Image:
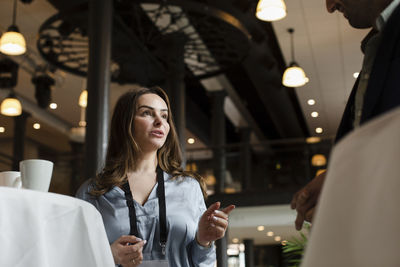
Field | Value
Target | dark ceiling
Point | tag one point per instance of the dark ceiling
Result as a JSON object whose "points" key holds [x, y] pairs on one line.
{"points": [[248, 55]]}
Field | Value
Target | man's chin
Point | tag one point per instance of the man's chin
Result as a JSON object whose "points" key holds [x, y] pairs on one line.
{"points": [[358, 24]]}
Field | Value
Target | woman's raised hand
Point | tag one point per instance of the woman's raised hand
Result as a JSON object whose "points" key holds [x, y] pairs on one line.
{"points": [[213, 224], [127, 250]]}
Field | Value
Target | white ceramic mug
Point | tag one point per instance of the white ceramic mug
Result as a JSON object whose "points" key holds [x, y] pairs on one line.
{"points": [[10, 179], [36, 174]]}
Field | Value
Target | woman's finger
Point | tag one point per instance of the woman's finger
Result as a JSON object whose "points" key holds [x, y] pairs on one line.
{"points": [[228, 209], [222, 222], [135, 248], [128, 239]]}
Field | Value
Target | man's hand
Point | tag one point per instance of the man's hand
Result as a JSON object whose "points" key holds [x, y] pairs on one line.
{"points": [[305, 200]]}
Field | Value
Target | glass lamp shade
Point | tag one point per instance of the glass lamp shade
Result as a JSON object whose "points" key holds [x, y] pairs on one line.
{"points": [[11, 107], [318, 160], [294, 76], [12, 42], [83, 99], [271, 10]]}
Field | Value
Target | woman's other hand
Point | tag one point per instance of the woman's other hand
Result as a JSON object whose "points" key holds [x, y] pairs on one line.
{"points": [[127, 250], [213, 224]]}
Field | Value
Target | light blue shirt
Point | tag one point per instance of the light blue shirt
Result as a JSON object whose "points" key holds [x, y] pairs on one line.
{"points": [[184, 207]]}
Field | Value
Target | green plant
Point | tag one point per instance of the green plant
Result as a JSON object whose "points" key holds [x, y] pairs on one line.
{"points": [[294, 248]]}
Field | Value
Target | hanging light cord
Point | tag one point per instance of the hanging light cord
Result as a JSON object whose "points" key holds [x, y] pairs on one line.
{"points": [[14, 12], [291, 30]]}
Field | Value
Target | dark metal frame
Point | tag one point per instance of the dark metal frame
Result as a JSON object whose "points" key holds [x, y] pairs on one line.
{"points": [[217, 42]]}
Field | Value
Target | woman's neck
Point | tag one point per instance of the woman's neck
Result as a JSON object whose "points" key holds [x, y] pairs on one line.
{"points": [[147, 163]]}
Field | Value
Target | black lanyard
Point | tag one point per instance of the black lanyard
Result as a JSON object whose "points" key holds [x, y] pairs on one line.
{"points": [[161, 209]]}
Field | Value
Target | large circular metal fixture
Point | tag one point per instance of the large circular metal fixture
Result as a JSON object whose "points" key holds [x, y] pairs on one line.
{"points": [[214, 39]]}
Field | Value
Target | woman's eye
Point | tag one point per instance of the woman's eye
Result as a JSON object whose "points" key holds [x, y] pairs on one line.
{"points": [[164, 116], [146, 113]]}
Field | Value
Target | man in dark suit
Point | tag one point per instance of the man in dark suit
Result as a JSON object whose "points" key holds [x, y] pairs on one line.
{"points": [[377, 88]]}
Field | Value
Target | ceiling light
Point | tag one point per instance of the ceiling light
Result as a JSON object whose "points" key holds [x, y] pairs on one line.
{"points": [[235, 240], [260, 228], [13, 42], [314, 114], [36, 126], [277, 238], [2, 129], [284, 242], [294, 76], [83, 99], [191, 141], [319, 130], [53, 105], [313, 139], [232, 251], [11, 106], [355, 74], [271, 10], [270, 233], [310, 102], [318, 160]]}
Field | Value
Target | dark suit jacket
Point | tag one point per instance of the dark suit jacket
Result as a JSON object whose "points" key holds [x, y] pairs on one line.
{"points": [[383, 90]]}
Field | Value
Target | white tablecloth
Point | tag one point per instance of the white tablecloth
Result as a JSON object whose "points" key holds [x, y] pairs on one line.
{"points": [[357, 221], [45, 229]]}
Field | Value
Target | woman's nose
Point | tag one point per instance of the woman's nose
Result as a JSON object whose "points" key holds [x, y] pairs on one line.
{"points": [[157, 120]]}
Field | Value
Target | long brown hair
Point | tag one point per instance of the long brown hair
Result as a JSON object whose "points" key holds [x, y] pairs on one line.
{"points": [[123, 150]]}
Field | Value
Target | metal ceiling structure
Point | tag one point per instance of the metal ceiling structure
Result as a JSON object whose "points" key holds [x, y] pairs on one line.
{"points": [[222, 38]]}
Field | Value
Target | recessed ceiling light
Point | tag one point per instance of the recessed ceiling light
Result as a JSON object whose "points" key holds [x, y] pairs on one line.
{"points": [[355, 74], [53, 105], [191, 140], [2, 129], [260, 228], [277, 238], [311, 102], [235, 240], [319, 130], [284, 242], [314, 114], [270, 233], [36, 126], [313, 139]]}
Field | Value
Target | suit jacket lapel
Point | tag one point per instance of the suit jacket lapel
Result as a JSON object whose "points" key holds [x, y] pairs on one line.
{"points": [[382, 61], [346, 124]]}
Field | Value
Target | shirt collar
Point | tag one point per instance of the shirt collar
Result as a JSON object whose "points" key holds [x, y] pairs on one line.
{"points": [[385, 14]]}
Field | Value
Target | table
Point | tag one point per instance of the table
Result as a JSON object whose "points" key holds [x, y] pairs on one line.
{"points": [[47, 229], [358, 216]]}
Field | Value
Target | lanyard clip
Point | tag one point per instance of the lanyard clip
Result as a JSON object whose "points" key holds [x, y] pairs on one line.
{"points": [[163, 245]]}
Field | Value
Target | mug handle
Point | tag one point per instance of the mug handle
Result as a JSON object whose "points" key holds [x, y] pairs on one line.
{"points": [[17, 183]]}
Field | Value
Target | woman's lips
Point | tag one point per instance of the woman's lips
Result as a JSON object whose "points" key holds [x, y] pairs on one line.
{"points": [[158, 134]]}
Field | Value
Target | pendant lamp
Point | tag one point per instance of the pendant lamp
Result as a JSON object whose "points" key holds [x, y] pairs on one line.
{"points": [[11, 106], [13, 42], [294, 76], [271, 10]]}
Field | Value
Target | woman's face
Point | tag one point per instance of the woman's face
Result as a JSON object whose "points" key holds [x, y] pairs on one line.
{"points": [[151, 125]]}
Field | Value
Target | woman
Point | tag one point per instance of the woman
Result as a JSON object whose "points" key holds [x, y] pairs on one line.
{"points": [[153, 211]]}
